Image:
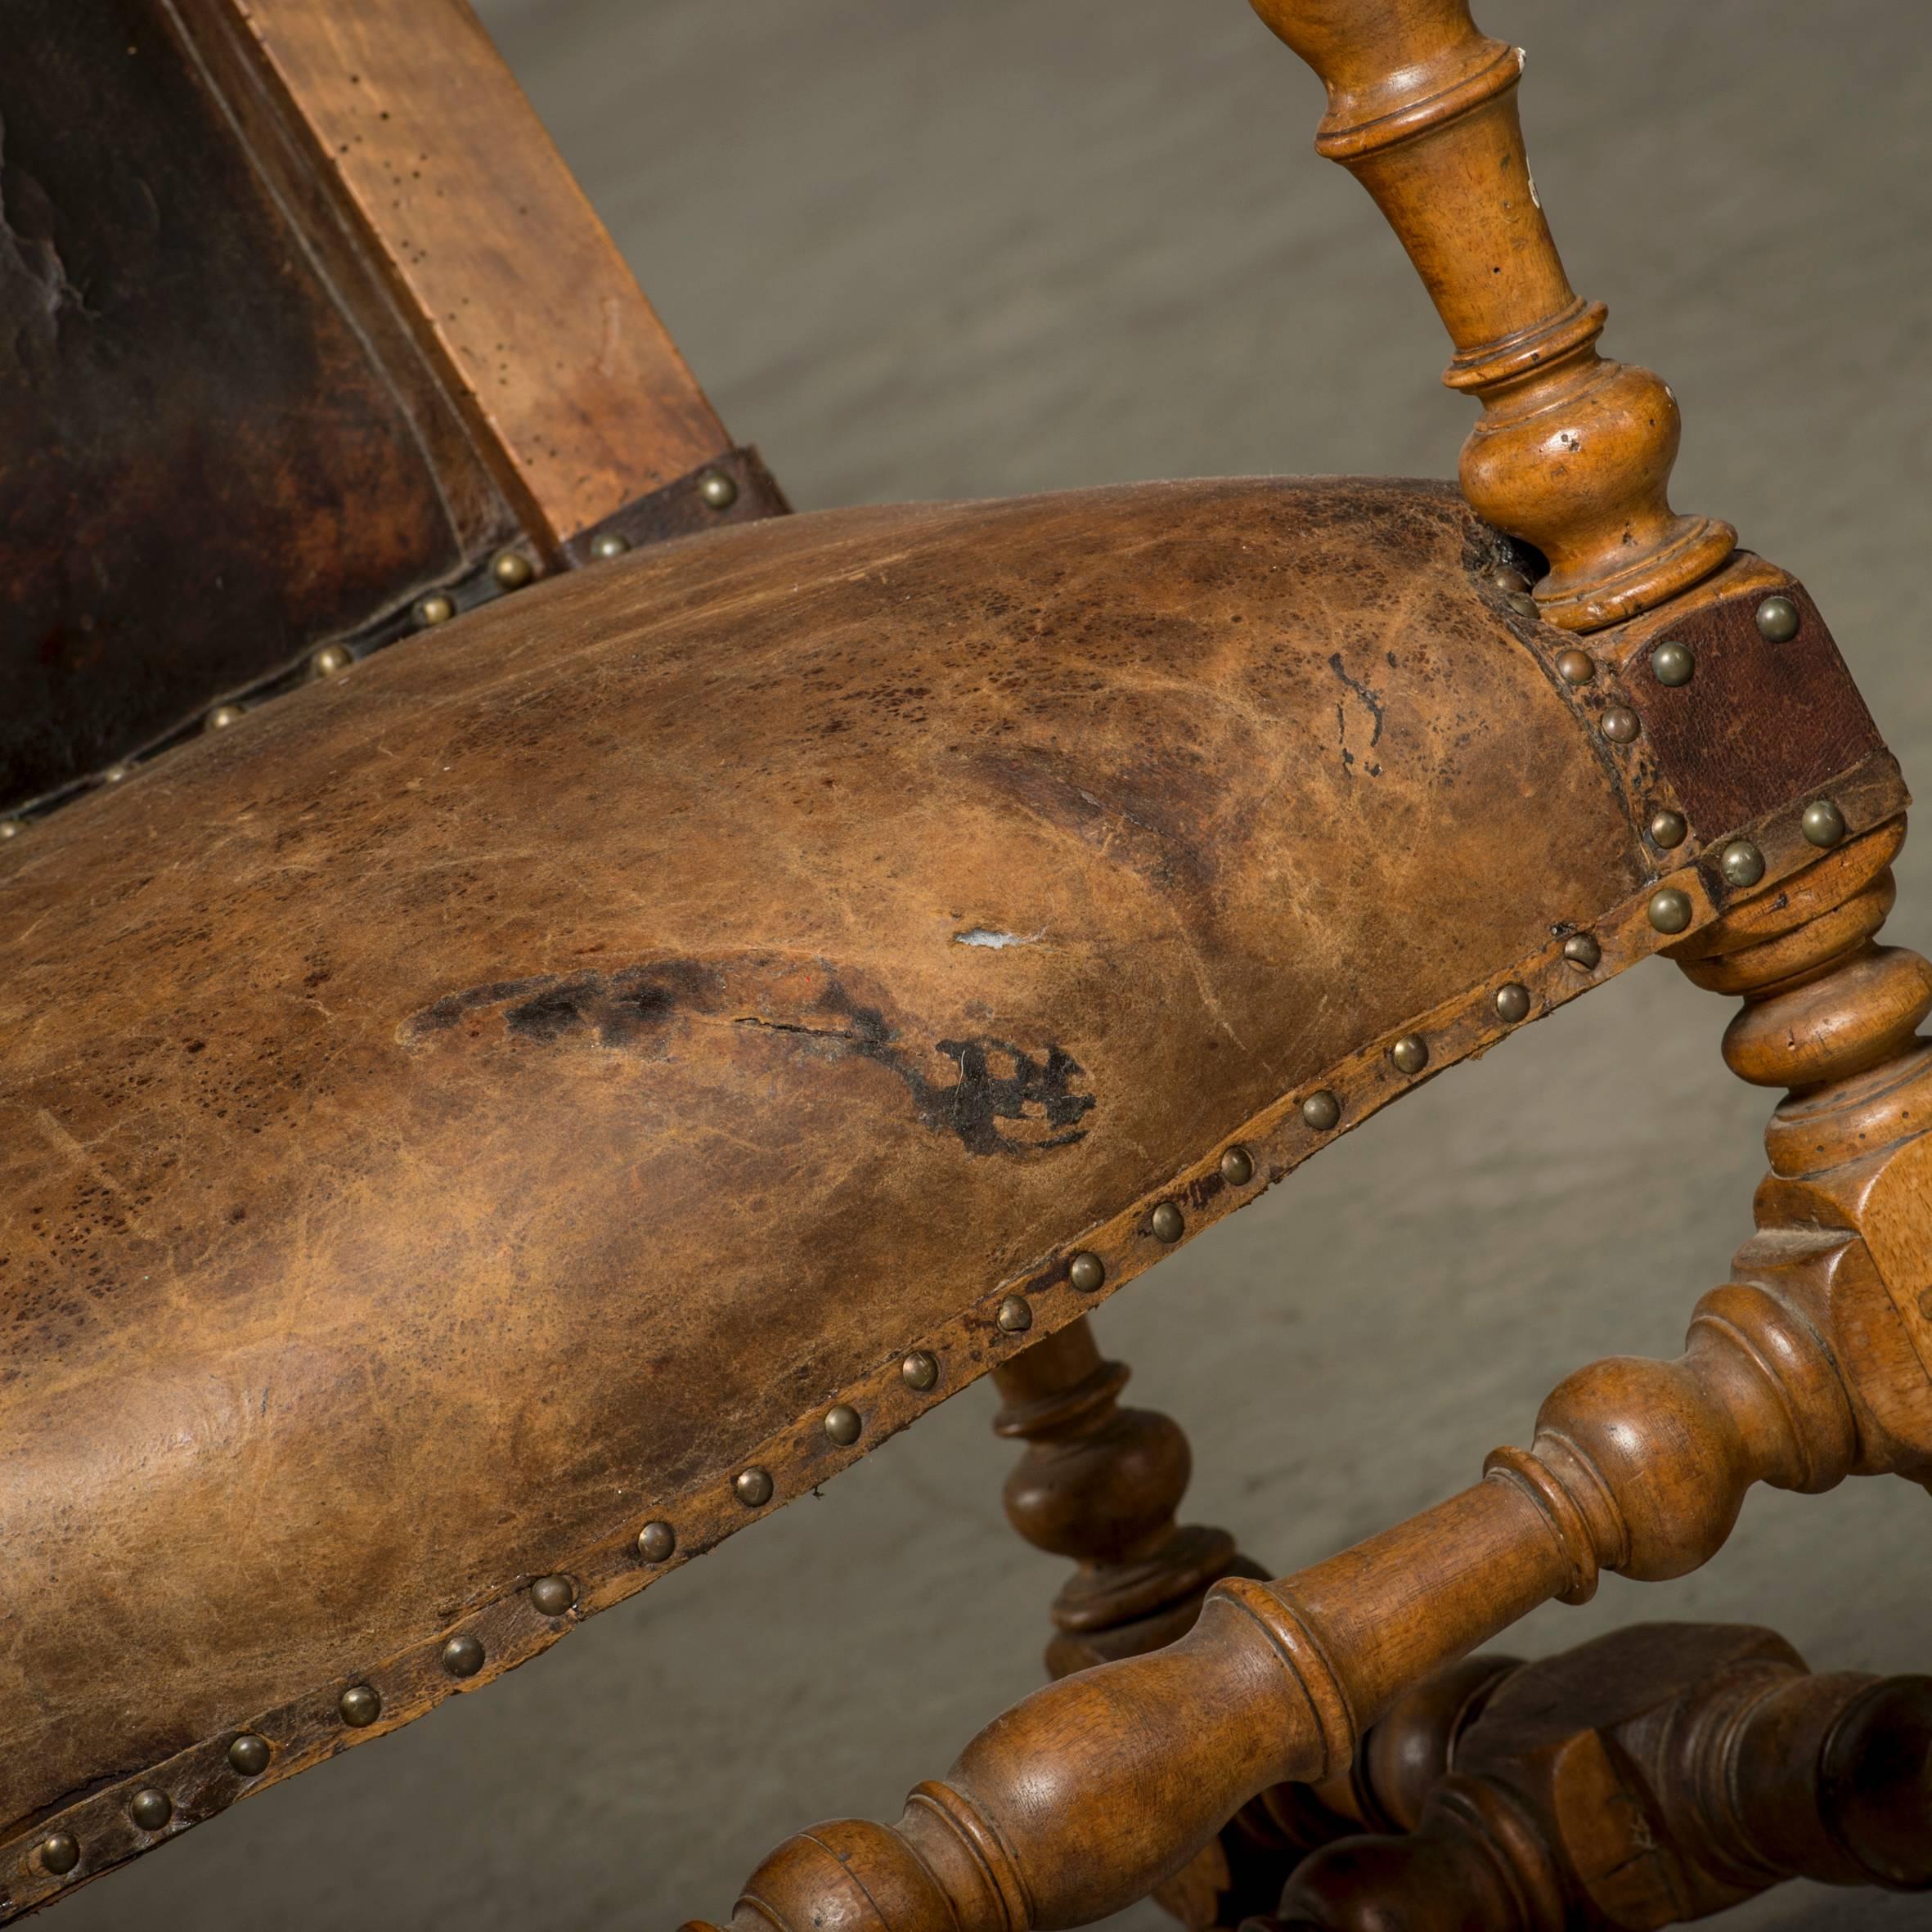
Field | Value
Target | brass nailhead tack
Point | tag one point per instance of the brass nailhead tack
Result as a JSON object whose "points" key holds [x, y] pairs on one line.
{"points": [[1672, 664], [1670, 910], [1238, 1167], [1668, 829], [1410, 1053], [842, 1425], [463, 1656], [1621, 725], [60, 1853], [1823, 823], [657, 1542], [1574, 667], [1741, 863], [512, 569], [717, 489], [360, 1706], [1512, 1004], [609, 545], [248, 1755], [1581, 950], [222, 717], [1015, 1317], [553, 1595], [151, 1809], [1321, 1111], [753, 1487], [1166, 1222], [1086, 1272], [435, 610], [918, 1371], [331, 661], [1777, 620]]}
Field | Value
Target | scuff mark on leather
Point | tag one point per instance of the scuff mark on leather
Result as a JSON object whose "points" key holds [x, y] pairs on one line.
{"points": [[1004, 1098], [997, 942]]}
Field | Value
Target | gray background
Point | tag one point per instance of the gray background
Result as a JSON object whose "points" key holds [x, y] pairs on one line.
{"points": [[940, 248]]}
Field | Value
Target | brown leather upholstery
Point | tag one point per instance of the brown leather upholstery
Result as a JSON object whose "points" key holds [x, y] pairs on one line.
{"points": [[479, 1102]]}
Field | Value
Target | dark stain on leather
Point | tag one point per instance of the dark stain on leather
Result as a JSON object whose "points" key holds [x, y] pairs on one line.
{"points": [[999, 1081], [619, 1009], [1035, 1092]]}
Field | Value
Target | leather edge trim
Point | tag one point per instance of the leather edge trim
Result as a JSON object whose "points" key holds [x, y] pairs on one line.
{"points": [[684, 507]]}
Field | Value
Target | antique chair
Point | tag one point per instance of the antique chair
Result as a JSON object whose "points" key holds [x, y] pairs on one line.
{"points": [[536, 1036]]}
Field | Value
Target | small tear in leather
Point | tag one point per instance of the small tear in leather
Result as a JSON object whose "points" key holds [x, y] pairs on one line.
{"points": [[985, 936]]}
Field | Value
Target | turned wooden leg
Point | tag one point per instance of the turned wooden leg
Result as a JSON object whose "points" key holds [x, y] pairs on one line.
{"points": [[1101, 1483], [1655, 1775]]}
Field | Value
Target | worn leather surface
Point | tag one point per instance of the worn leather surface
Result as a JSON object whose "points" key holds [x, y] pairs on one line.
{"points": [[215, 448], [498, 1087]]}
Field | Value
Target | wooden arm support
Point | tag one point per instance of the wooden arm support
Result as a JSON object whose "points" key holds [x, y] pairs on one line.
{"points": [[1573, 453], [1657, 1775]]}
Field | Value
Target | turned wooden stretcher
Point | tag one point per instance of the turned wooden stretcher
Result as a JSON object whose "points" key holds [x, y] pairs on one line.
{"points": [[556, 1037]]}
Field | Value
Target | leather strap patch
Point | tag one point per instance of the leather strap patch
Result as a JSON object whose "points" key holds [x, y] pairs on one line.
{"points": [[1759, 723]]}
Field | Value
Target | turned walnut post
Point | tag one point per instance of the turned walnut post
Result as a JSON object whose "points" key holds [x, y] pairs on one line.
{"points": [[1831, 1016], [1823, 1002], [1657, 1775], [1101, 1483], [1573, 453]]}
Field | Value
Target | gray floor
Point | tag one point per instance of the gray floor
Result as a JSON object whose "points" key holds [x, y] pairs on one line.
{"points": [[931, 248]]}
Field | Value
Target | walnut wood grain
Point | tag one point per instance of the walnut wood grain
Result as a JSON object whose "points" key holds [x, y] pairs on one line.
{"points": [[1085, 1797], [1101, 1483], [1655, 1775], [1404, 1759], [1814, 1362], [1573, 453], [580, 392]]}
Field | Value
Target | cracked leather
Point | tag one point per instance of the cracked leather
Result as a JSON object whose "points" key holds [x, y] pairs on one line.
{"points": [[498, 1088]]}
